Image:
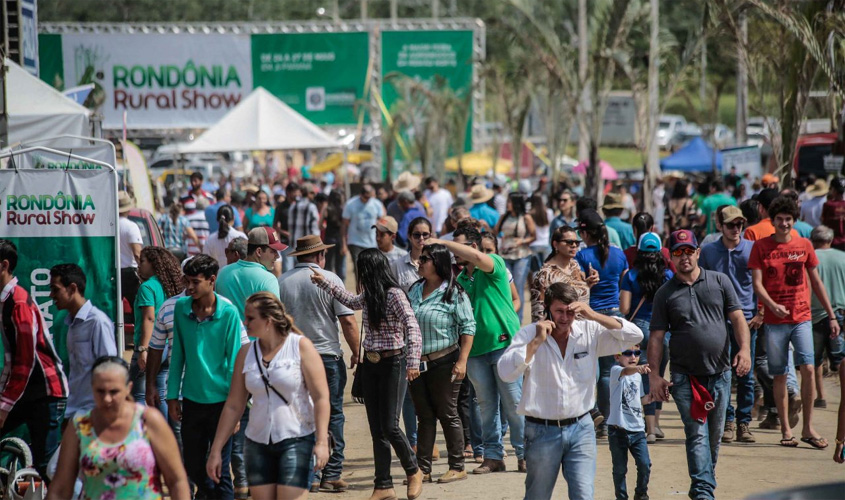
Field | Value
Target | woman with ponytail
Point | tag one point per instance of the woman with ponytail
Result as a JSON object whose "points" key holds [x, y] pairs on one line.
{"points": [[643, 223], [610, 263], [639, 285], [217, 243], [560, 266], [287, 436]]}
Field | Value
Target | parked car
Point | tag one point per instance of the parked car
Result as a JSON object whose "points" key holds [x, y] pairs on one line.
{"points": [[668, 127], [810, 153], [760, 129], [719, 135], [684, 134]]}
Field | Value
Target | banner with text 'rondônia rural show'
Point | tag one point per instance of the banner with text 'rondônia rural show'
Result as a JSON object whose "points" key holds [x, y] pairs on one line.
{"points": [[62, 216]]}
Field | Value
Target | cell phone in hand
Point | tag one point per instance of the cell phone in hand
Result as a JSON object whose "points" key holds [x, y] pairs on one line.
{"points": [[423, 366]]}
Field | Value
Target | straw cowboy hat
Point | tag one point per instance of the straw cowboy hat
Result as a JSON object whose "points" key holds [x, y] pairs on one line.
{"points": [[309, 244], [480, 194], [406, 182], [124, 202], [612, 201], [819, 188]]}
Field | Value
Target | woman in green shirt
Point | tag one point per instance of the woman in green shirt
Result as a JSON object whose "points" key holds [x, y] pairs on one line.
{"points": [[260, 213], [447, 323]]}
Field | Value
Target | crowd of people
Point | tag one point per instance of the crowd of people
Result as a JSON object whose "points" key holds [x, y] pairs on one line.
{"points": [[236, 382]]}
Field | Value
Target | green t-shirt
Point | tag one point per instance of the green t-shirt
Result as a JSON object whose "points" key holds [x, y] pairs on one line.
{"points": [[204, 352], [490, 296], [151, 293], [238, 281], [709, 206], [832, 272], [613, 237]]}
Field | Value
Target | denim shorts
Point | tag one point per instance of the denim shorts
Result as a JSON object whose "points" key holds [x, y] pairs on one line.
{"points": [[778, 338], [289, 462]]}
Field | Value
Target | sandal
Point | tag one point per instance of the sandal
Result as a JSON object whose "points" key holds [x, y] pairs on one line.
{"points": [[468, 453], [789, 442], [818, 443]]}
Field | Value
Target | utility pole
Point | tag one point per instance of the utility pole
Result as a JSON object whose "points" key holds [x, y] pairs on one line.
{"points": [[652, 160], [584, 106], [742, 82], [394, 10], [435, 9], [364, 10]]}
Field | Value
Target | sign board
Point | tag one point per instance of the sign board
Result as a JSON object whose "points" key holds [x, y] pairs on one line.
{"points": [[746, 159], [29, 36], [833, 163], [320, 75], [56, 217], [163, 81], [423, 55]]}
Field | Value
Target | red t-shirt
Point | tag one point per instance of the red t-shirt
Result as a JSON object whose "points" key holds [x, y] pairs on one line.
{"points": [[784, 276], [833, 216]]}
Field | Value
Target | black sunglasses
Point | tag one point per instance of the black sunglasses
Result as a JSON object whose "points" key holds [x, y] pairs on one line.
{"points": [[734, 225], [424, 236], [425, 258], [631, 352]]}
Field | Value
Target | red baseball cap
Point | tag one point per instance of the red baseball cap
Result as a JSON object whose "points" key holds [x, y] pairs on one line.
{"points": [[266, 236]]}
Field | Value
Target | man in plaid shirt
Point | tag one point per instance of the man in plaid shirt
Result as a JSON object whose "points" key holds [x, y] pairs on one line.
{"points": [[33, 388]]}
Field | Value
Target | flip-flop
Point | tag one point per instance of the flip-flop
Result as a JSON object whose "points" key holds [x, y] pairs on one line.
{"points": [[468, 453], [789, 443], [817, 443]]}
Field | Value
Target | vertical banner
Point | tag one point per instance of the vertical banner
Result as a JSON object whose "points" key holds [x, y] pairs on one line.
{"points": [[422, 55], [56, 217], [29, 36], [320, 75]]}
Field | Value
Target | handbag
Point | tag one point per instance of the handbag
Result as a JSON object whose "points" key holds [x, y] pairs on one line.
{"points": [[268, 386], [357, 378]]}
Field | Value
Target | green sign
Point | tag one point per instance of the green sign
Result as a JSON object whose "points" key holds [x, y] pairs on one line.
{"points": [[320, 75], [422, 55]]}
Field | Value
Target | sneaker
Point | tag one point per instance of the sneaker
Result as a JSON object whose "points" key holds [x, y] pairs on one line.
{"points": [[728, 434], [794, 410], [597, 417], [489, 465], [820, 403], [338, 485], [315, 487], [452, 475], [743, 433], [770, 422], [651, 439], [644, 496], [658, 433], [521, 466]]}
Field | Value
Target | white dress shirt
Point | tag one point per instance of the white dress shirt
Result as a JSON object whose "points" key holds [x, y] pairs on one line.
{"points": [[559, 387]]}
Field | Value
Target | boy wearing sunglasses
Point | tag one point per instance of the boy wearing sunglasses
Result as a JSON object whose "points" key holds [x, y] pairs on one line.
{"points": [[626, 426]]}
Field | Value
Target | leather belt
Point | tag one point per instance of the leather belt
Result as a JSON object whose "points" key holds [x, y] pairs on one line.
{"points": [[376, 356], [439, 354], [554, 423]]}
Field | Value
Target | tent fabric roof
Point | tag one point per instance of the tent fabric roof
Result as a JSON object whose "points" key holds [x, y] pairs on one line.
{"points": [[261, 122], [37, 110], [695, 156]]}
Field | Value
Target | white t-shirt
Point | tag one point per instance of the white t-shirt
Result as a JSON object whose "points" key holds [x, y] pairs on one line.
{"points": [[129, 233], [440, 202], [216, 247]]}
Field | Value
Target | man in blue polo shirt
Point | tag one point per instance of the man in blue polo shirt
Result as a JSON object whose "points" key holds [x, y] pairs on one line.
{"points": [[729, 255]]}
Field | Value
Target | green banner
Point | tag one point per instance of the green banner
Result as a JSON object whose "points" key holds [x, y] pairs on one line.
{"points": [[422, 56], [320, 75], [51, 65]]}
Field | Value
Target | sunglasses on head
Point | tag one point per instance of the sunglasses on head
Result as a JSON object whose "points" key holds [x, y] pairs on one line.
{"points": [[631, 352], [683, 251], [424, 236]]}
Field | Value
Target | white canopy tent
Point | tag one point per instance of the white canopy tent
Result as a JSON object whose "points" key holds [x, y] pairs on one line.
{"points": [[37, 110], [261, 122]]}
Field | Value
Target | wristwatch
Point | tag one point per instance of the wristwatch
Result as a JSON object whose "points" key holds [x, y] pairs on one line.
{"points": [[141, 348], [839, 441]]}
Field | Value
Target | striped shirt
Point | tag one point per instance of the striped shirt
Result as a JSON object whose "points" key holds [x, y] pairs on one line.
{"points": [[398, 329], [200, 227], [441, 323], [163, 328], [31, 368], [174, 232]]}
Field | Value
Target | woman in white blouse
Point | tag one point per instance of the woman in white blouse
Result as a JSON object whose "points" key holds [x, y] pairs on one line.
{"points": [[216, 243], [287, 434]]}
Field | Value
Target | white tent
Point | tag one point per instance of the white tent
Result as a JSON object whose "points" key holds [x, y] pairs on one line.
{"points": [[261, 122], [37, 110]]}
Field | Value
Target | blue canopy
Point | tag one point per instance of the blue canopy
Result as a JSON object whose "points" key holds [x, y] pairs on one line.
{"points": [[695, 156]]}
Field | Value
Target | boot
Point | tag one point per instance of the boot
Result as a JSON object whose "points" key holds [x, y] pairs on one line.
{"points": [[489, 465], [728, 434], [384, 494], [415, 482], [770, 422], [743, 434], [338, 485]]}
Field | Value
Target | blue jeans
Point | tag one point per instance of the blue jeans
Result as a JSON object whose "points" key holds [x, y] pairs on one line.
{"points": [[490, 389], [336, 377], [570, 449], [605, 364], [519, 270], [744, 385], [620, 441], [703, 440], [139, 383], [238, 462], [645, 326], [476, 431], [409, 419]]}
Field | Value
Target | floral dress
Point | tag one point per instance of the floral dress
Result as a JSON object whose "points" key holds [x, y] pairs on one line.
{"points": [[120, 470]]}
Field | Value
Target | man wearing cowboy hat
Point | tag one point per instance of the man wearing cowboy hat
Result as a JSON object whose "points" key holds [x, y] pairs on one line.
{"points": [[811, 208], [317, 315], [479, 195], [406, 182], [613, 208], [131, 244]]}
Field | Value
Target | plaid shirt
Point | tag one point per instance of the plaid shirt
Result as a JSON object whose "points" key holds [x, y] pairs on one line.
{"points": [[174, 232], [398, 329], [29, 353], [303, 219]]}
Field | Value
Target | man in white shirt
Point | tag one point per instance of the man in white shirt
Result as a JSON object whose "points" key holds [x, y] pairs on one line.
{"points": [[558, 357], [440, 201], [131, 243]]}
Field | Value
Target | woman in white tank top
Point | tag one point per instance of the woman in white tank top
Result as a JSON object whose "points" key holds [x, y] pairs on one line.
{"points": [[287, 434]]}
